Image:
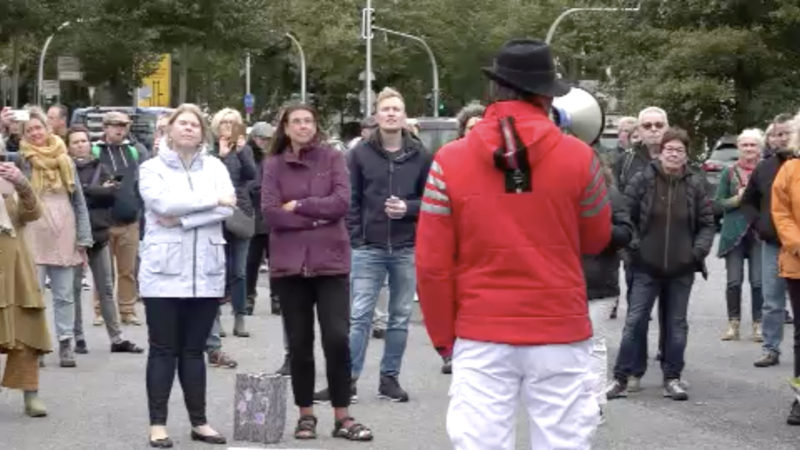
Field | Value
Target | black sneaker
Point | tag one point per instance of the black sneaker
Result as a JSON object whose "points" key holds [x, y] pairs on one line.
{"points": [[447, 367], [389, 389], [378, 333], [769, 359], [674, 389], [286, 368], [324, 396], [80, 347], [794, 415], [617, 389]]}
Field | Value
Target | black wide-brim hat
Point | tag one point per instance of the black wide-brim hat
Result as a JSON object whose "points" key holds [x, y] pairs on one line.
{"points": [[527, 65]]}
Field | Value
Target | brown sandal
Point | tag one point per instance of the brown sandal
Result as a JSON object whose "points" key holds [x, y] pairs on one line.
{"points": [[306, 428], [355, 432]]}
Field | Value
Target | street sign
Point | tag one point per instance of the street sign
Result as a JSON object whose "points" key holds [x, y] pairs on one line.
{"points": [[249, 102], [156, 87], [69, 68], [51, 88]]}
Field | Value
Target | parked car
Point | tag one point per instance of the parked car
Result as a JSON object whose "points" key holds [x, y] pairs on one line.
{"points": [[724, 154], [143, 121], [437, 131]]}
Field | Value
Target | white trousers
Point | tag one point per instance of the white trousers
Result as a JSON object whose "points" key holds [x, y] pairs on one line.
{"points": [[552, 381], [598, 370]]}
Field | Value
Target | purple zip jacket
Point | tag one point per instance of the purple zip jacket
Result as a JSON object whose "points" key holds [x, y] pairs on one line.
{"points": [[312, 240]]}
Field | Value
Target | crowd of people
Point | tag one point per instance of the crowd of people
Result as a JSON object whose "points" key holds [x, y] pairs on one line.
{"points": [[184, 224]]}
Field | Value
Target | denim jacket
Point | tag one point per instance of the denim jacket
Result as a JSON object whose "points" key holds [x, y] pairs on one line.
{"points": [[83, 226], [187, 260]]}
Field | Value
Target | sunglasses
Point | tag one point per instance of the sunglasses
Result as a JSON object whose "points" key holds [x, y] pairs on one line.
{"points": [[656, 125], [117, 124]]}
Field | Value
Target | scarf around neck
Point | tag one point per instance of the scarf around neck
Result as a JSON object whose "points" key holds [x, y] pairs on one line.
{"points": [[743, 171], [52, 166]]}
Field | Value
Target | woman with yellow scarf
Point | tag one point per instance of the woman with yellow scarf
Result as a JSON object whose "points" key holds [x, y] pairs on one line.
{"points": [[59, 238]]}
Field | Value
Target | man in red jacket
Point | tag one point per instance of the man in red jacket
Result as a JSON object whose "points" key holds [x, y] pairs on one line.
{"points": [[506, 215]]}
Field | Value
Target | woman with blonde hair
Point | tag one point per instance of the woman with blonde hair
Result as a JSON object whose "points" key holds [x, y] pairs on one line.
{"points": [[59, 238], [187, 195], [228, 129], [23, 326]]}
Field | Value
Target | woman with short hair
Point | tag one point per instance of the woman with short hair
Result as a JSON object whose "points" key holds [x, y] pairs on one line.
{"points": [[738, 239], [228, 128], [468, 117], [187, 195]]}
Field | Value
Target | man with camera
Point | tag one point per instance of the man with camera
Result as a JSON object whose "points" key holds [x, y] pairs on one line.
{"points": [[506, 214], [122, 158]]}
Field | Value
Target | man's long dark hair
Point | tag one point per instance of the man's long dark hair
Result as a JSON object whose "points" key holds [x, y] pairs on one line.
{"points": [[280, 141]]}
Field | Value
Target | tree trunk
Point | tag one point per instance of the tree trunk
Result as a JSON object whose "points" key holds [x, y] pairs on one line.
{"points": [[15, 79], [184, 75]]}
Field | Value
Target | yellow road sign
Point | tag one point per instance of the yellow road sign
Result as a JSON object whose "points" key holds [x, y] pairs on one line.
{"points": [[155, 89]]}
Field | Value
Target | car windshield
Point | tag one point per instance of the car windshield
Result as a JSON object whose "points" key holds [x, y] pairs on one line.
{"points": [[725, 154], [433, 139]]}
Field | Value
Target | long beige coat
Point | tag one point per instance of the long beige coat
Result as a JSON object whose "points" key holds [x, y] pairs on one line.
{"points": [[22, 308]]}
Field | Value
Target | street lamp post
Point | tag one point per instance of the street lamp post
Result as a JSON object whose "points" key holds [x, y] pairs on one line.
{"points": [[302, 66], [552, 31], [434, 67], [40, 77]]}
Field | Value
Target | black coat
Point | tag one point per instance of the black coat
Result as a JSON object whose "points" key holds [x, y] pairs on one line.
{"points": [[259, 156], [640, 196], [757, 197], [629, 163], [374, 177], [242, 170], [602, 271], [99, 199]]}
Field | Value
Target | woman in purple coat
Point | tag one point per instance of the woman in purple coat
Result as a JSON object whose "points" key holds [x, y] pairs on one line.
{"points": [[304, 197]]}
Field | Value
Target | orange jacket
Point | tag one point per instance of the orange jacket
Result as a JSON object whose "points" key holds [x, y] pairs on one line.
{"points": [[506, 267], [786, 216]]}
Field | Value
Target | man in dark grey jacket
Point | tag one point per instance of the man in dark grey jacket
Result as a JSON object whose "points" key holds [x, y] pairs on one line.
{"points": [[388, 172]]}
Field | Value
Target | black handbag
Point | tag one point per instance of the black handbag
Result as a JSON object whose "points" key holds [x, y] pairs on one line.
{"points": [[240, 224]]}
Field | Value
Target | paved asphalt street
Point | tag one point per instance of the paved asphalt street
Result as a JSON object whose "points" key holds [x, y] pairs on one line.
{"points": [[101, 404]]}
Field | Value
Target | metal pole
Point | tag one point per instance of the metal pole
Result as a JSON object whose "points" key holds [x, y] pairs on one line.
{"points": [[303, 93], [552, 31], [247, 82], [40, 73], [368, 73], [434, 66]]}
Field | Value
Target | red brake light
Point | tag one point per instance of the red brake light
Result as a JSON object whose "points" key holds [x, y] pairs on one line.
{"points": [[710, 166]]}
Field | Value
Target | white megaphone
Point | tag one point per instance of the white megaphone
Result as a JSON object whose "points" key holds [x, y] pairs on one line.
{"points": [[579, 113]]}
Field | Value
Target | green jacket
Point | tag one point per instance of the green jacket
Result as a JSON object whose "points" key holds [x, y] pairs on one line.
{"points": [[735, 224]]}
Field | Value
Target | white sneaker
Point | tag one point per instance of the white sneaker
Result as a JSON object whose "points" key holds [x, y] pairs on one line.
{"points": [[634, 384]]}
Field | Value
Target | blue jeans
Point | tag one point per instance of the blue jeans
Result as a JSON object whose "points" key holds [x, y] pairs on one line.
{"points": [[673, 294], [370, 267], [774, 289], [235, 284], [748, 249], [61, 286]]}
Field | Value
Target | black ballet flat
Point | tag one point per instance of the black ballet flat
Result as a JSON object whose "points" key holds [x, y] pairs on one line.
{"points": [[214, 439], [161, 443]]}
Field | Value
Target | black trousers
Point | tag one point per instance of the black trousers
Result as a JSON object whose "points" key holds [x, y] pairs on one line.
{"points": [[794, 297], [331, 295], [177, 330], [259, 249]]}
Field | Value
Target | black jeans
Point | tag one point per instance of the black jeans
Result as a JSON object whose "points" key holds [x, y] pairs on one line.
{"points": [[794, 297], [331, 295], [259, 249], [673, 294], [177, 330]]}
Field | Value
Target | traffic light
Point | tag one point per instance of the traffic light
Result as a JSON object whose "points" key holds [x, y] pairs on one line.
{"points": [[367, 22]]}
